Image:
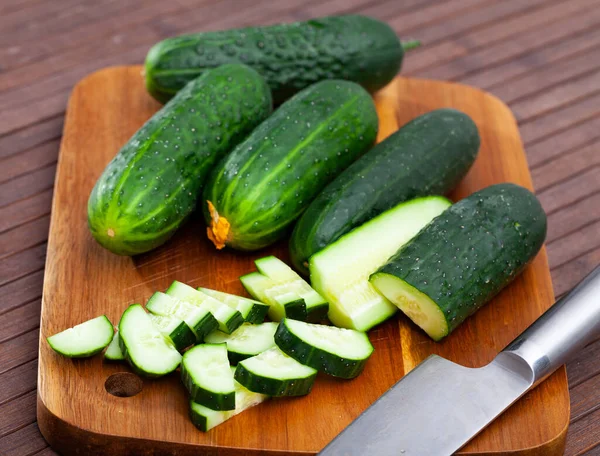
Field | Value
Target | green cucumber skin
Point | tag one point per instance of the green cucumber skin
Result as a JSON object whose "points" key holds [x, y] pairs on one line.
{"points": [[461, 269], [198, 420], [271, 386], [427, 156], [296, 310], [266, 182], [257, 315], [317, 358], [220, 402], [151, 186], [316, 314], [289, 56], [182, 337]]}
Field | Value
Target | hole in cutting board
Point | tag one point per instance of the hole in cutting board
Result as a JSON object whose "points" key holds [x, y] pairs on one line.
{"points": [[123, 384]]}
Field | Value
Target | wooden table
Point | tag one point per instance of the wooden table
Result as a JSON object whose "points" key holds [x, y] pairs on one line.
{"points": [[542, 57]]}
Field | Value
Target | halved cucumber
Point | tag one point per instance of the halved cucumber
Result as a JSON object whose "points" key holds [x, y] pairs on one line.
{"points": [[206, 374], [175, 330], [143, 346], [282, 303], [274, 373], [198, 318], [335, 351], [205, 419], [113, 351], [246, 341], [341, 271], [83, 340], [252, 311], [229, 319]]}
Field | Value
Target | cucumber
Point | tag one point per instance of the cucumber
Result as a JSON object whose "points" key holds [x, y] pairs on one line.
{"points": [[464, 257], [113, 351], [335, 351], [427, 156], [143, 346], [255, 193], [198, 318], [252, 311], [206, 374], [175, 330], [341, 271], [151, 186], [274, 373], [282, 302], [83, 340], [246, 341], [289, 56], [229, 319], [205, 419]]}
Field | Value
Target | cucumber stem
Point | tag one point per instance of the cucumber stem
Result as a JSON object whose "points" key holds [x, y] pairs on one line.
{"points": [[410, 44]]}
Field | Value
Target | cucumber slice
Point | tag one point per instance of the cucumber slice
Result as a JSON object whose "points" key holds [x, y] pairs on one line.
{"points": [[229, 319], [206, 374], [175, 330], [335, 351], [287, 280], [282, 303], [341, 271], [143, 346], [113, 351], [205, 419], [246, 341], [85, 339], [198, 318], [274, 373], [252, 311]]}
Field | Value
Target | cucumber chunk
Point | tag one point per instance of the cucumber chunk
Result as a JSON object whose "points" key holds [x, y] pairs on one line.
{"points": [[246, 341], [274, 373], [252, 311], [282, 303], [175, 330], [198, 318], [229, 319], [143, 346], [335, 351], [113, 351], [341, 271], [205, 419], [84, 340], [206, 374]]}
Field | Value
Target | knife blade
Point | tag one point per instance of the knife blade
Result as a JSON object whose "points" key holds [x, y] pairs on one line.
{"points": [[439, 406]]}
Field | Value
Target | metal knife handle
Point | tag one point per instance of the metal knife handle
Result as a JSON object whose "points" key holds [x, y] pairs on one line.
{"points": [[568, 326]]}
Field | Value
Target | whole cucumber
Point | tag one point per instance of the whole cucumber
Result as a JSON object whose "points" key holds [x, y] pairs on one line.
{"points": [[427, 156], [147, 191], [289, 56], [256, 192]]}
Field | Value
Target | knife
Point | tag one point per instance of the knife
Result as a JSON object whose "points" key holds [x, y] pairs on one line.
{"points": [[439, 406]]}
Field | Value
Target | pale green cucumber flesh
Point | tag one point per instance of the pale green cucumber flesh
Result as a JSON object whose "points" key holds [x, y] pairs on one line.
{"points": [[113, 351], [83, 340], [252, 311], [246, 341]]}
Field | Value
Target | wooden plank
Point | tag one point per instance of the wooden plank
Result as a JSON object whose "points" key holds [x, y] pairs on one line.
{"points": [[569, 247], [27, 185], [21, 291], [585, 398], [18, 381], [24, 442], [22, 263], [582, 436], [573, 217], [566, 276], [20, 320], [17, 413], [27, 235], [19, 350], [412, 21], [24, 162], [570, 191], [25, 210], [585, 365], [47, 452], [34, 135]]}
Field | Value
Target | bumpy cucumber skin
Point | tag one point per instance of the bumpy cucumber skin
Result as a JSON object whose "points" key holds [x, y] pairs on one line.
{"points": [[465, 256], [289, 56], [220, 402], [317, 358], [151, 186], [273, 386], [182, 337], [257, 314], [266, 182], [427, 156]]}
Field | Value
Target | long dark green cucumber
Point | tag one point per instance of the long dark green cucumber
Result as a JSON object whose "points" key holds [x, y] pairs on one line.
{"points": [[427, 156], [290, 56], [264, 184], [151, 186], [464, 257]]}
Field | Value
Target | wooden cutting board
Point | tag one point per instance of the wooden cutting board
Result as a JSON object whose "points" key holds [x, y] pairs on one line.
{"points": [[77, 415]]}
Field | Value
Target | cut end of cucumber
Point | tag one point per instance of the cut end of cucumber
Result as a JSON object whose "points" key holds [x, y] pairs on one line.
{"points": [[417, 306], [218, 231], [113, 351], [85, 339]]}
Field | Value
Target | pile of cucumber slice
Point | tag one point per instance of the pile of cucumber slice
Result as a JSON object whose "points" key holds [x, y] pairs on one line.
{"points": [[229, 358]]}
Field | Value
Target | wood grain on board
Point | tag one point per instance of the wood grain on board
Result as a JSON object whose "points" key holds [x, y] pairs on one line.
{"points": [[521, 50], [83, 280]]}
